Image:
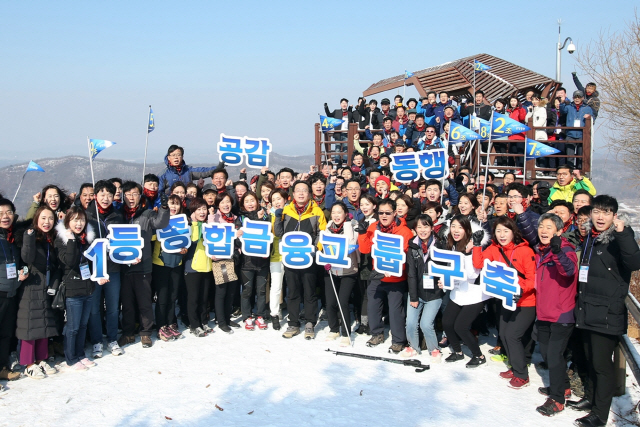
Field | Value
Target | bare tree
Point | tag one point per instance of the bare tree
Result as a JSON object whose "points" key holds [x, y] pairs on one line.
{"points": [[612, 60]]}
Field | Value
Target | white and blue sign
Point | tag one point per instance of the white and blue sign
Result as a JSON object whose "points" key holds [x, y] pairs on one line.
{"points": [[219, 240], [176, 236], [297, 250], [125, 243], [407, 167], [256, 238], [388, 253], [97, 254], [500, 281], [447, 266], [235, 150], [335, 251], [537, 149]]}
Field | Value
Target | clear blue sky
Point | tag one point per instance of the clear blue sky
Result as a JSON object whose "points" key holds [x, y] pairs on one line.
{"points": [[74, 69]]}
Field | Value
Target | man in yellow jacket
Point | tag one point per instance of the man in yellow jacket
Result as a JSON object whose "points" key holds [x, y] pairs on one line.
{"points": [[568, 182]]}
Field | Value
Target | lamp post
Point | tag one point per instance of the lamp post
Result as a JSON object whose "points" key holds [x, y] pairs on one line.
{"points": [[571, 48]]}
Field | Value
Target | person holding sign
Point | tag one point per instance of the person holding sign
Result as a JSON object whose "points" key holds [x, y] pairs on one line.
{"points": [[74, 237], [425, 297], [510, 248], [467, 298], [556, 285]]}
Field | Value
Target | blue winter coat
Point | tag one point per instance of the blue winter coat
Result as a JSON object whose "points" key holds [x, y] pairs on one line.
{"points": [[572, 114], [187, 174]]}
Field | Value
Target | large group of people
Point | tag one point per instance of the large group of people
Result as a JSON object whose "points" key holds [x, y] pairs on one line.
{"points": [[574, 255]]}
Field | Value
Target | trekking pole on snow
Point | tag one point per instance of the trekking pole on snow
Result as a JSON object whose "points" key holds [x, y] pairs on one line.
{"points": [[333, 285], [415, 363]]}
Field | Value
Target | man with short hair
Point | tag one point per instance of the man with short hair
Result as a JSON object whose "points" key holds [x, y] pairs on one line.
{"points": [[437, 109], [386, 110], [479, 109], [85, 195], [151, 199], [369, 116], [592, 97], [519, 201], [304, 215], [384, 286], [581, 198], [575, 114], [177, 170], [609, 256], [568, 181], [352, 187], [344, 113]]}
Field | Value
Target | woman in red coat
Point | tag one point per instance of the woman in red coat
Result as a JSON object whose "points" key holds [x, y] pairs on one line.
{"points": [[508, 247], [519, 114]]}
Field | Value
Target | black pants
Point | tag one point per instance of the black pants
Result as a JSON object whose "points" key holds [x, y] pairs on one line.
{"points": [[224, 302], [363, 300], [396, 295], [297, 281], [513, 327], [8, 316], [344, 286], [197, 295], [166, 281], [553, 338], [456, 322], [574, 149], [135, 292], [254, 279], [600, 385]]}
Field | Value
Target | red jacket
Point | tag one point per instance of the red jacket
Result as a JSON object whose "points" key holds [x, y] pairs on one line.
{"points": [[556, 284], [522, 258], [519, 115], [365, 242]]}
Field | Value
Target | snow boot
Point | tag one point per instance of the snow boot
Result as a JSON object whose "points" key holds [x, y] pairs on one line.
{"points": [[396, 348], [275, 322], [125, 340], [545, 392], [146, 341], [309, 332], [375, 340], [291, 332]]}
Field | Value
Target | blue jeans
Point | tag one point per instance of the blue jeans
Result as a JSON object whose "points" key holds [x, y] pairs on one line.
{"points": [[428, 310], [78, 311], [111, 291]]}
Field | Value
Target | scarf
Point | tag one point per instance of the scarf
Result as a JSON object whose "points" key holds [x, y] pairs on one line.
{"points": [[524, 204], [336, 229], [425, 245], [104, 211], [594, 233], [388, 229], [542, 248], [567, 225], [151, 195], [227, 218], [129, 212], [9, 234], [355, 204], [319, 199], [83, 238], [300, 209]]}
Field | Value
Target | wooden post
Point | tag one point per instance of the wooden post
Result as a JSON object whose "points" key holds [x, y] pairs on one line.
{"points": [[620, 371], [353, 130], [318, 143], [531, 164], [586, 146]]}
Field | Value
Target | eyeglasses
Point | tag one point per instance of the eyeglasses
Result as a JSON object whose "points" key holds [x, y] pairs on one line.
{"points": [[7, 213], [385, 213], [132, 194]]}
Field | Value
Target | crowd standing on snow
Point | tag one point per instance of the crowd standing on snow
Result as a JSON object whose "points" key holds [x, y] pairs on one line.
{"points": [[573, 252]]}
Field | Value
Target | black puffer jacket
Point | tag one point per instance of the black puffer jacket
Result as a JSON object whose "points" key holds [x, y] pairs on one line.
{"points": [[612, 257], [149, 221], [36, 318], [416, 268], [113, 216], [9, 254], [252, 262], [70, 255]]}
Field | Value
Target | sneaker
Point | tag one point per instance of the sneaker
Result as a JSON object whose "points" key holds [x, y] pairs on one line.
{"points": [[476, 361], [454, 357], [88, 363], [226, 329], [495, 350], [125, 340], [309, 332], [506, 375], [34, 371], [146, 341], [115, 349], [165, 334], [261, 323], [78, 367], [375, 340], [8, 375], [345, 342], [207, 329], [237, 313], [97, 351], [332, 336], [248, 324], [545, 392], [291, 332], [234, 325], [436, 356], [396, 348], [518, 383], [407, 352], [550, 407], [275, 323], [500, 358], [198, 332], [174, 330], [444, 342], [47, 369]]}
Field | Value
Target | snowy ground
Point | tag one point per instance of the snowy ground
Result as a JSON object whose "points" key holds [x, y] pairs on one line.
{"points": [[259, 378]]}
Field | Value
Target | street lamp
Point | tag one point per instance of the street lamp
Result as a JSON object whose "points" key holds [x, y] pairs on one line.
{"points": [[571, 48]]}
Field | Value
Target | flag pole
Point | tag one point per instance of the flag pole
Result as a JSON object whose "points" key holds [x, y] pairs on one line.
{"points": [[524, 169], [146, 145], [93, 181], [486, 169], [19, 185]]}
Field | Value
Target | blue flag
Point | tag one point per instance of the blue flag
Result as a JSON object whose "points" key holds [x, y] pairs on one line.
{"points": [[407, 74], [459, 133], [329, 123], [504, 125], [152, 125], [537, 149], [97, 145], [33, 166], [479, 67]]}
